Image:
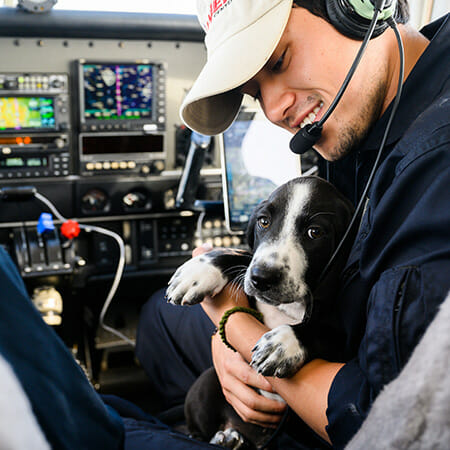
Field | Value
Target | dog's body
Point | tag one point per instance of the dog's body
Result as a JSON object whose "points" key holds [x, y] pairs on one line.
{"points": [[292, 236]]}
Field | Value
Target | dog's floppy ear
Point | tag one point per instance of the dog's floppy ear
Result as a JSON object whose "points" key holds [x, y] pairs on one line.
{"points": [[251, 224], [345, 215]]}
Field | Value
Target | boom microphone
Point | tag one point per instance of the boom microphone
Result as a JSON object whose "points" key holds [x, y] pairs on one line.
{"points": [[305, 138]]}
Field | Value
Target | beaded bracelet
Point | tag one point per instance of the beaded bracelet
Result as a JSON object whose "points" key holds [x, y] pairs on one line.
{"points": [[228, 313]]}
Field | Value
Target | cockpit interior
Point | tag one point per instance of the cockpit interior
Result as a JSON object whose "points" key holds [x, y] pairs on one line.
{"points": [[104, 191]]}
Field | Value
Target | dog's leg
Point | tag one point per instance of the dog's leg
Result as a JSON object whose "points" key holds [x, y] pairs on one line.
{"points": [[229, 438], [206, 275], [210, 417], [204, 406], [278, 353]]}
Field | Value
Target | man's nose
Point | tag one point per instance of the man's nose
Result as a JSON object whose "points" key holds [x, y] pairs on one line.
{"points": [[275, 101]]}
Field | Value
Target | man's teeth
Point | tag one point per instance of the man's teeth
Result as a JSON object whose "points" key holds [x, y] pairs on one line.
{"points": [[311, 116]]}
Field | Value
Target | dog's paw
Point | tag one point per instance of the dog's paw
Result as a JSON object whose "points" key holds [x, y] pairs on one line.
{"points": [[194, 280], [278, 353], [229, 438]]}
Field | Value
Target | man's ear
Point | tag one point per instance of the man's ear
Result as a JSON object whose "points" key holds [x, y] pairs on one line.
{"points": [[250, 234]]}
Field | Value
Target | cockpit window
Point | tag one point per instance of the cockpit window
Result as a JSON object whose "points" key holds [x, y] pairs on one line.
{"points": [[148, 6]]}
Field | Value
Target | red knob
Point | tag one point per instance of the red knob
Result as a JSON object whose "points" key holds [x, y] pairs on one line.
{"points": [[70, 229]]}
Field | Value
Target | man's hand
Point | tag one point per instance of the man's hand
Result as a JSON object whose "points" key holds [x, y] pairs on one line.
{"points": [[238, 381], [204, 248]]}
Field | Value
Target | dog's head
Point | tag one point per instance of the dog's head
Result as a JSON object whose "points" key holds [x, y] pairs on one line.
{"points": [[293, 235]]}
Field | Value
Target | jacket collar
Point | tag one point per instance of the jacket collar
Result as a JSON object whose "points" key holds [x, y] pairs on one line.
{"points": [[421, 87]]}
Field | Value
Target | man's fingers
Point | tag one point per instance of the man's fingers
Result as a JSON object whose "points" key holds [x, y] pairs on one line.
{"points": [[252, 378], [255, 401], [252, 405], [255, 412], [204, 248], [237, 367]]}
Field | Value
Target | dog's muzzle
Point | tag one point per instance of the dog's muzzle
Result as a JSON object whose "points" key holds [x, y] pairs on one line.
{"points": [[263, 278], [270, 284]]}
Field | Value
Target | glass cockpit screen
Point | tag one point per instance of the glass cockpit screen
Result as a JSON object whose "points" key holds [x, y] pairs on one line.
{"points": [[118, 91], [27, 113], [256, 159]]}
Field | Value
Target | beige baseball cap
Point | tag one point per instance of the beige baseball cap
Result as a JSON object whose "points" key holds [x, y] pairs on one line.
{"points": [[241, 35]]}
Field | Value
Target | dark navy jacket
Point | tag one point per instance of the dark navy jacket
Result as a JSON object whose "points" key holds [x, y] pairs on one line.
{"points": [[398, 271]]}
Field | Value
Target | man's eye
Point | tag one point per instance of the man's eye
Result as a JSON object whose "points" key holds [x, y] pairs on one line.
{"points": [[279, 64], [314, 232], [264, 222]]}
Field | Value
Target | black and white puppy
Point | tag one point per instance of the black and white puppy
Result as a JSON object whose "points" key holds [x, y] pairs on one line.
{"points": [[292, 236]]}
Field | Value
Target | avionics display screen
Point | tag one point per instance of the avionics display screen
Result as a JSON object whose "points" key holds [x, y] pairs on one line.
{"points": [[256, 159], [27, 113], [16, 162], [117, 91]]}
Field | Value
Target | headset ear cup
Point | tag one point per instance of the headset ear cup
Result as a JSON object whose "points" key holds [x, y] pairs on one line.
{"points": [[348, 22]]}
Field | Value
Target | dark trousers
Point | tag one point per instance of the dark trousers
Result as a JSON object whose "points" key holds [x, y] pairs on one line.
{"points": [[145, 432], [173, 346]]}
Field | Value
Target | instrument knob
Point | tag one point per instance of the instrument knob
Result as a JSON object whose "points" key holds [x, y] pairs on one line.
{"points": [[94, 200], [11, 84], [60, 143], [56, 84], [136, 200], [145, 170], [159, 166]]}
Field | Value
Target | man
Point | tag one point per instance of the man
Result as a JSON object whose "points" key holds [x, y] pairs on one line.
{"points": [[293, 60]]}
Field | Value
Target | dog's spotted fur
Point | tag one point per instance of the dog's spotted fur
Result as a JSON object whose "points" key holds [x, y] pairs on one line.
{"points": [[278, 352], [292, 236]]}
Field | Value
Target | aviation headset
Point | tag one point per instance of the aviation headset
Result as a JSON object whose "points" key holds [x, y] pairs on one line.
{"points": [[352, 17]]}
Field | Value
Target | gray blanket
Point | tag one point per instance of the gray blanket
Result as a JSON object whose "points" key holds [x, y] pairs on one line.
{"points": [[413, 411]]}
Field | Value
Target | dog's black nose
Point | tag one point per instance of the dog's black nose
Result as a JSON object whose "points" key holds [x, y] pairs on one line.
{"points": [[263, 277]]}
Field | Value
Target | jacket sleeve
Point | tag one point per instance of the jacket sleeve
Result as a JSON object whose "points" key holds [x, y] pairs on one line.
{"points": [[411, 221], [401, 305]]}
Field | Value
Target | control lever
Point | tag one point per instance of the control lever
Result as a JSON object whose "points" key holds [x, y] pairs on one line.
{"points": [[191, 172], [36, 248], [53, 249], [21, 247]]}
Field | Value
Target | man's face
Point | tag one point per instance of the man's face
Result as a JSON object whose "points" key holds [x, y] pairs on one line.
{"points": [[304, 74]]}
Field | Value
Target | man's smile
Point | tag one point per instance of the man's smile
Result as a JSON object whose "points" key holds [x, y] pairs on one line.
{"points": [[307, 117]]}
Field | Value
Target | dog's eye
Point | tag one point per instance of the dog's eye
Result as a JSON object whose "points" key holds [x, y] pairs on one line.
{"points": [[314, 232], [264, 222]]}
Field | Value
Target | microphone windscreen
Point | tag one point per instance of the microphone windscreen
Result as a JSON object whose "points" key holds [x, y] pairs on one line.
{"points": [[305, 138]]}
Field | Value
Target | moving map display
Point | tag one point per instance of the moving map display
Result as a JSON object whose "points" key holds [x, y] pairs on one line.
{"points": [[257, 160], [117, 91], [26, 113]]}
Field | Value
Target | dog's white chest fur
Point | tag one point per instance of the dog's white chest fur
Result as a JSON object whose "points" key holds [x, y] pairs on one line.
{"points": [[284, 314]]}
